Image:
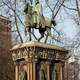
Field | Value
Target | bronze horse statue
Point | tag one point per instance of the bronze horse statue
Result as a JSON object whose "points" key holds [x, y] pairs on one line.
{"points": [[44, 25]]}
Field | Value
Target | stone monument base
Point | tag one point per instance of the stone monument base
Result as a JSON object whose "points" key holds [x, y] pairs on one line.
{"points": [[38, 61]]}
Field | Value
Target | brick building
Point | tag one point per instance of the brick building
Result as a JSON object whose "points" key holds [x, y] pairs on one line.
{"points": [[6, 63], [72, 68]]}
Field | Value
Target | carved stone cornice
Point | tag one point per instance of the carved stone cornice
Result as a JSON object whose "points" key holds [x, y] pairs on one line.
{"points": [[33, 53], [25, 53]]}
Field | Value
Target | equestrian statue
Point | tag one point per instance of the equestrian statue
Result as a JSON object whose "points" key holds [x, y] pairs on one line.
{"points": [[34, 19]]}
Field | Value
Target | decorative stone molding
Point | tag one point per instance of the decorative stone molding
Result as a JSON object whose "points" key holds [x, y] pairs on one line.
{"points": [[33, 51]]}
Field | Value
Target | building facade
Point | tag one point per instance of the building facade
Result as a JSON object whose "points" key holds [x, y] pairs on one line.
{"points": [[72, 68], [6, 63]]}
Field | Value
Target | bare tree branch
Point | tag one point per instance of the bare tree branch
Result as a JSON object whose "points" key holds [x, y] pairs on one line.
{"points": [[17, 24], [69, 7], [55, 5], [59, 8], [15, 13], [77, 6]]}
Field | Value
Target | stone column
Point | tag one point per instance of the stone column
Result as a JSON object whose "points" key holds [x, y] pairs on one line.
{"points": [[31, 70], [28, 72], [59, 65], [34, 70], [16, 71], [48, 70]]}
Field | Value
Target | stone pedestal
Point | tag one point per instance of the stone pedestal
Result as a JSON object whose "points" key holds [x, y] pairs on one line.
{"points": [[36, 61]]}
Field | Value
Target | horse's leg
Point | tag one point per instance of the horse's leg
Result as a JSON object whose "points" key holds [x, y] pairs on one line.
{"points": [[25, 32], [29, 30], [42, 35], [46, 36], [41, 31]]}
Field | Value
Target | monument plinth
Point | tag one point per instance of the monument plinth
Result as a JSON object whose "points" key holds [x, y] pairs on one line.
{"points": [[38, 61]]}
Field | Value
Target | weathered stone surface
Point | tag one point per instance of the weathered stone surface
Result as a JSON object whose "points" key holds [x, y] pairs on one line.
{"points": [[35, 57], [6, 63], [38, 50]]}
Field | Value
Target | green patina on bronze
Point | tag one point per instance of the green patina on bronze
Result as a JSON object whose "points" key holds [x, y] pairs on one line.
{"points": [[23, 75], [42, 73]]}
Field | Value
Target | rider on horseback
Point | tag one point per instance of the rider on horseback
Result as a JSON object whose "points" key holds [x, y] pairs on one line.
{"points": [[37, 10], [34, 19]]}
